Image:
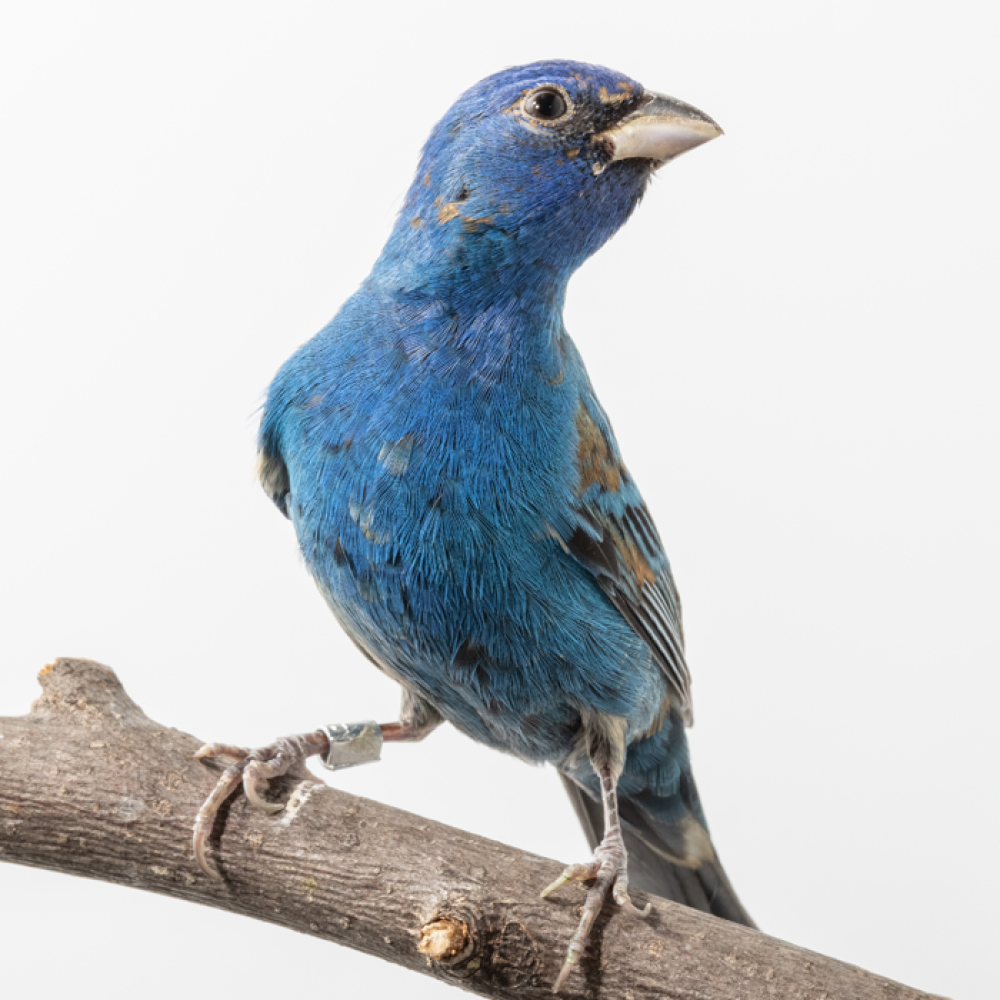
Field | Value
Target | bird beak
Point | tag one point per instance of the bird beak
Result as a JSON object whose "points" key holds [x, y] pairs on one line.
{"points": [[660, 130]]}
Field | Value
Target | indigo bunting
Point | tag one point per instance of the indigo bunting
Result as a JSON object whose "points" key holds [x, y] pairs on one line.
{"points": [[460, 498]]}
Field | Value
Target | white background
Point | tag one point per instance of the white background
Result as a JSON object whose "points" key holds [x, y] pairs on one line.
{"points": [[796, 339]]}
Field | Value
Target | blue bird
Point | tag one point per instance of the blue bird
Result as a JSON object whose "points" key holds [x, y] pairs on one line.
{"points": [[460, 498]]}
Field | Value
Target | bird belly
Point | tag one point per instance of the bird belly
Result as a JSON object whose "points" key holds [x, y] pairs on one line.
{"points": [[456, 588]]}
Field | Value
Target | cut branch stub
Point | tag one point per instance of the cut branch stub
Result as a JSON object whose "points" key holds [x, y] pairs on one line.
{"points": [[446, 940]]}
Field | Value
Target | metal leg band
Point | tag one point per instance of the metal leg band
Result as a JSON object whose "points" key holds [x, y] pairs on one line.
{"points": [[352, 743]]}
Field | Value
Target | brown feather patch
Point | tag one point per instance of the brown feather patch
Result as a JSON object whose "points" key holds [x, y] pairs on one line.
{"points": [[447, 211], [637, 563], [593, 456]]}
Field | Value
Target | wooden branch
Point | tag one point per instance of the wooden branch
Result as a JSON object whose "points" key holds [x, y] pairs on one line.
{"points": [[90, 786]]}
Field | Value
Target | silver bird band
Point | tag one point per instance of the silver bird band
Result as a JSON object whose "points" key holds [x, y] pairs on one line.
{"points": [[352, 743]]}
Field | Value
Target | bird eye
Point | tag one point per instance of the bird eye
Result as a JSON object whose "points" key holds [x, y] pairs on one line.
{"points": [[546, 104]]}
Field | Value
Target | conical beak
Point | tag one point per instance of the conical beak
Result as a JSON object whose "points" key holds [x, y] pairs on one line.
{"points": [[660, 130]]}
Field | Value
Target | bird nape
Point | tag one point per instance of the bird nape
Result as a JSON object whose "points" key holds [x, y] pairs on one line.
{"points": [[460, 498]]}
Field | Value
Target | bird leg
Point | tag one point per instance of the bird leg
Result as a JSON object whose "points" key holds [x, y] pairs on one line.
{"points": [[609, 870], [338, 745]]}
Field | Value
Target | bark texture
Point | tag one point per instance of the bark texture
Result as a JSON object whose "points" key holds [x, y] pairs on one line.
{"points": [[90, 786]]}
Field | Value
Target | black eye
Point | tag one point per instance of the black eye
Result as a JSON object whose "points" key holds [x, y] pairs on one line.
{"points": [[546, 104]]}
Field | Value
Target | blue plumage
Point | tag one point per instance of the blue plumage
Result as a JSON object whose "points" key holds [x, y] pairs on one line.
{"points": [[456, 488], [427, 488], [430, 437]]}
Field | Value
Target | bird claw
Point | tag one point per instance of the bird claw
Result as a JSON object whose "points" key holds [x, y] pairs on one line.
{"points": [[253, 769], [609, 870], [574, 873]]}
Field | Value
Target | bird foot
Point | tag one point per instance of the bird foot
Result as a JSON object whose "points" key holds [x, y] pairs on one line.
{"points": [[609, 870], [253, 769]]}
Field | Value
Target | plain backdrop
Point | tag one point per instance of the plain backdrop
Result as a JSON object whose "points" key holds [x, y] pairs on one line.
{"points": [[796, 340]]}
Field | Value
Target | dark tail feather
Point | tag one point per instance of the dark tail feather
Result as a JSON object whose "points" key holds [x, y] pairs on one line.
{"points": [[704, 888]]}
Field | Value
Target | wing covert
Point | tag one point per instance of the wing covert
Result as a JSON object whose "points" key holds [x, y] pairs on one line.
{"points": [[615, 539]]}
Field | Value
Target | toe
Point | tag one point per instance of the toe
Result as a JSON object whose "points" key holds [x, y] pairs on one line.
{"points": [[629, 907], [201, 831], [621, 896], [561, 881], [252, 782], [205, 819], [574, 873]]}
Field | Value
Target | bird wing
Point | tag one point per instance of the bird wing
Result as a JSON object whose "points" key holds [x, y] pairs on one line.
{"points": [[271, 468], [612, 535]]}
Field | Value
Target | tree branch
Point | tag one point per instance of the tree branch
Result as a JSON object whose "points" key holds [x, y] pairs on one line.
{"points": [[90, 786]]}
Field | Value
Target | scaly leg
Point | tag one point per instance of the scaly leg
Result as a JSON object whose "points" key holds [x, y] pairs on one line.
{"points": [[339, 745], [609, 869]]}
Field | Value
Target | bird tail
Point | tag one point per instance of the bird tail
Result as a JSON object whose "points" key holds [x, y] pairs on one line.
{"points": [[702, 885]]}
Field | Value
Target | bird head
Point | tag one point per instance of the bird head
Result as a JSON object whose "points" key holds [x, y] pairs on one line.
{"points": [[529, 173]]}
